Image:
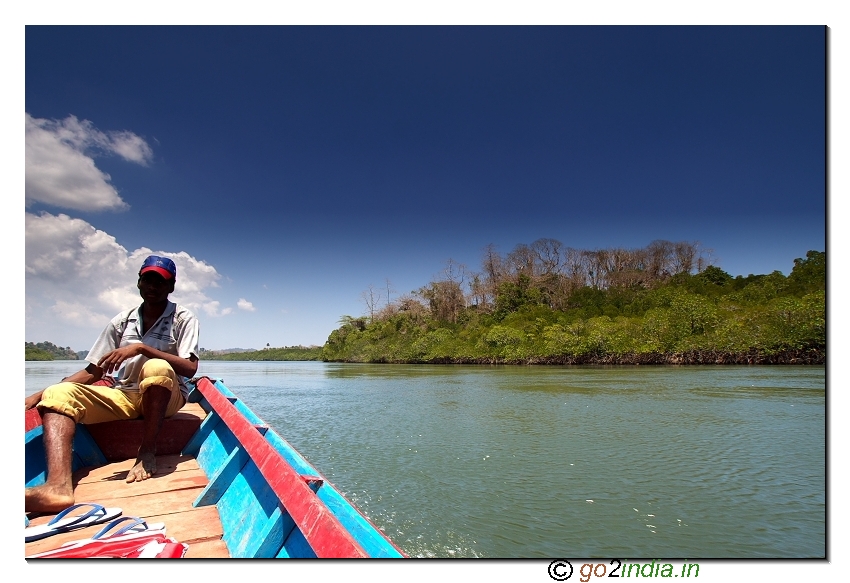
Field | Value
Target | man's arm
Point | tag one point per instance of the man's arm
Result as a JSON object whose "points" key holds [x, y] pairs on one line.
{"points": [[89, 375], [111, 361]]}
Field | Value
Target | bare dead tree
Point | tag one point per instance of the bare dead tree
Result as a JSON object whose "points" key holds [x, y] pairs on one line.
{"points": [[521, 261], [412, 305], [455, 272], [478, 291], [705, 259], [546, 273], [444, 295], [684, 256], [494, 273], [389, 289], [575, 267], [445, 299], [371, 297], [660, 260], [493, 265], [595, 261], [549, 255], [640, 258]]}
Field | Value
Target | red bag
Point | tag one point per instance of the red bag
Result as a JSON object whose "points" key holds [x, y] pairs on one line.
{"points": [[147, 547], [144, 544]]}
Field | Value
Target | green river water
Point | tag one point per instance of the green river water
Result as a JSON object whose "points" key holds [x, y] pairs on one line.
{"points": [[534, 462]]}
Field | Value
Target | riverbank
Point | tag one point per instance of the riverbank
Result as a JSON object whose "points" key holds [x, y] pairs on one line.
{"points": [[693, 357]]}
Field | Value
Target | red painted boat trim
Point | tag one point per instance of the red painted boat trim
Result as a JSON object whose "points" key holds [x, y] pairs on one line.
{"points": [[325, 534], [31, 419]]}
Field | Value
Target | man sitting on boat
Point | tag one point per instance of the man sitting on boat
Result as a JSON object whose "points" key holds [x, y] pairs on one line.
{"points": [[150, 348]]}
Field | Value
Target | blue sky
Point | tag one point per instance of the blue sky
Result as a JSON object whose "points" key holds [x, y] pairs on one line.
{"points": [[288, 168]]}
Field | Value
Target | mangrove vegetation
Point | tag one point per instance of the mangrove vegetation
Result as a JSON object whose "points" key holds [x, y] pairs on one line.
{"points": [[545, 303]]}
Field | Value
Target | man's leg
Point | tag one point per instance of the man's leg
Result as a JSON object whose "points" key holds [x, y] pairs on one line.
{"points": [[160, 398], [154, 403], [62, 406], [57, 492]]}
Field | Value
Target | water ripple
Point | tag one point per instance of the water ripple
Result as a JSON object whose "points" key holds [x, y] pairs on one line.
{"points": [[500, 462]]}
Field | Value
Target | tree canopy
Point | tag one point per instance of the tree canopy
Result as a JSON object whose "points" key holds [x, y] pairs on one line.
{"points": [[48, 351], [547, 303]]}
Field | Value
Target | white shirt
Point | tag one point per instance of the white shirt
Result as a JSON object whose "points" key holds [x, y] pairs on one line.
{"points": [[175, 332]]}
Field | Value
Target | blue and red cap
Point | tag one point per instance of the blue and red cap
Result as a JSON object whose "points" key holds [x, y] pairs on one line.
{"points": [[161, 265]]}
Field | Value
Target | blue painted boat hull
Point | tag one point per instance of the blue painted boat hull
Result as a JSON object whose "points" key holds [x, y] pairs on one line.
{"points": [[271, 501]]}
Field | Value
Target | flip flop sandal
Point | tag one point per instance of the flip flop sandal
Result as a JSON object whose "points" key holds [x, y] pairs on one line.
{"points": [[136, 525], [63, 523]]}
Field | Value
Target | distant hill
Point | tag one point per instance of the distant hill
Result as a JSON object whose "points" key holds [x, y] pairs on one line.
{"points": [[48, 351], [285, 353], [206, 352]]}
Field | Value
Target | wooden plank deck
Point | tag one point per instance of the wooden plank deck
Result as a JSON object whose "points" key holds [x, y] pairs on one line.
{"points": [[166, 497]]}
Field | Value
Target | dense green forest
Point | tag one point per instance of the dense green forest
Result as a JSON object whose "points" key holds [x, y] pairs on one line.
{"points": [[48, 351], [547, 303], [285, 353]]}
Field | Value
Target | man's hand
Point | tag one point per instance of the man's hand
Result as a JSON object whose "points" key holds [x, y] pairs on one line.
{"points": [[111, 361], [32, 401]]}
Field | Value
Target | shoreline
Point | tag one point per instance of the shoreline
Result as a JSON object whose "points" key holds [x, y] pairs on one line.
{"points": [[693, 357]]}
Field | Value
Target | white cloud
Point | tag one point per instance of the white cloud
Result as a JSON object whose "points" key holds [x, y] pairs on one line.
{"points": [[77, 314], [212, 309], [60, 169], [80, 277], [244, 304]]}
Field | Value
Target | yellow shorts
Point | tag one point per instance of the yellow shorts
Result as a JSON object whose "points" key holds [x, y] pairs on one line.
{"points": [[89, 404]]}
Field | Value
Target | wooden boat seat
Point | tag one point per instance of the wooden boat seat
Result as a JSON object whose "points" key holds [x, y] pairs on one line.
{"points": [[120, 440]]}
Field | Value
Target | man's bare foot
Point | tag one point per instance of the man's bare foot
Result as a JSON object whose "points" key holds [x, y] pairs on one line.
{"points": [[47, 499], [144, 468]]}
